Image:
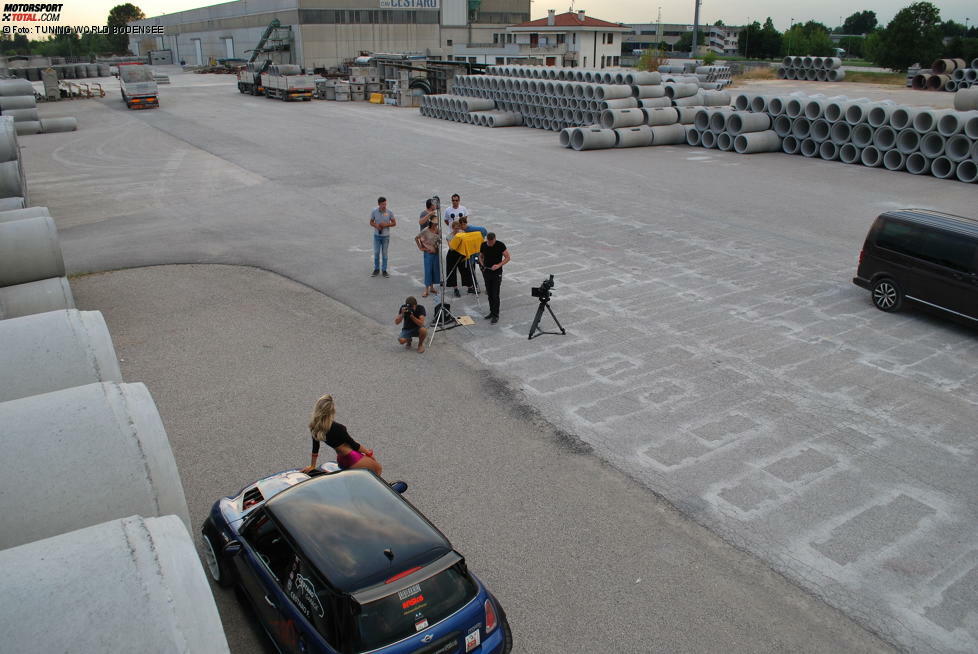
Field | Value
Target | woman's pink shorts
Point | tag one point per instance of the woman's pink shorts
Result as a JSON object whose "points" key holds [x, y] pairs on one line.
{"points": [[347, 460]]}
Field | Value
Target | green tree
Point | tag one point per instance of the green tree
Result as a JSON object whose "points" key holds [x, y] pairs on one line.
{"points": [[120, 16], [960, 48], [749, 41], [685, 42], [709, 58], [913, 36], [861, 22], [770, 40], [719, 23], [951, 28], [853, 45]]}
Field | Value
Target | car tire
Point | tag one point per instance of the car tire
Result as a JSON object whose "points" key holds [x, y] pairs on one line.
{"points": [[216, 565], [507, 637], [886, 295]]}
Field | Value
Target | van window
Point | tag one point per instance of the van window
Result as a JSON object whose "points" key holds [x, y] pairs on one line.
{"points": [[942, 248]]}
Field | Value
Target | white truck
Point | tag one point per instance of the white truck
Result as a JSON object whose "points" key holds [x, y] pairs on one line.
{"points": [[287, 82], [139, 89]]}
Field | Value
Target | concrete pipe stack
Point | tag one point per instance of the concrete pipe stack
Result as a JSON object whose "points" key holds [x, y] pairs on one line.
{"points": [[708, 77], [947, 75], [727, 129], [629, 128], [812, 69], [918, 140], [17, 101], [13, 184]]}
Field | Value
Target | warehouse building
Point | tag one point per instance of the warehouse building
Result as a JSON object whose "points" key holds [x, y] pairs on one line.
{"points": [[325, 33]]}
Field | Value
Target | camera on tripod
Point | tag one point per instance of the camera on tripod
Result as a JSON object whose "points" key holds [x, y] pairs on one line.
{"points": [[543, 290]]}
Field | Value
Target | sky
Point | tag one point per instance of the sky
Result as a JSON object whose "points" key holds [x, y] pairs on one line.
{"points": [[829, 12]]}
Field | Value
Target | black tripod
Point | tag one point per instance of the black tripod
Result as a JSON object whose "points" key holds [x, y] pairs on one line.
{"points": [[535, 327]]}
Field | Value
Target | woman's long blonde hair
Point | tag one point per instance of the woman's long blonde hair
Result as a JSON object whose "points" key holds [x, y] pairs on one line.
{"points": [[322, 417]]}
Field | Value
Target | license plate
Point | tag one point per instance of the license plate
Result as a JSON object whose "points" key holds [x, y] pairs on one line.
{"points": [[472, 641]]}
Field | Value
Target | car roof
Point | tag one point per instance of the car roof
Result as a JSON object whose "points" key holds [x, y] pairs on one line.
{"points": [[343, 522], [950, 222]]}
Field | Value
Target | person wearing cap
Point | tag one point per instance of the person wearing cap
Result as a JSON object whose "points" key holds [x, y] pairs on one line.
{"points": [[493, 255]]}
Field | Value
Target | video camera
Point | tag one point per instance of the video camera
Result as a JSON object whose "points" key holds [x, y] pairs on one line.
{"points": [[543, 290]]}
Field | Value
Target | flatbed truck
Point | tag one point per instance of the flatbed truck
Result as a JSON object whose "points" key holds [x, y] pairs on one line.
{"points": [[139, 90], [286, 82]]}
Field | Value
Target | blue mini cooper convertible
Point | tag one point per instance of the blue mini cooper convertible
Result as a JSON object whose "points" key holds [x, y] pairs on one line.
{"points": [[339, 562]]}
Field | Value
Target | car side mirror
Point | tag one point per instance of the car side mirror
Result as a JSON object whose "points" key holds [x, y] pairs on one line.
{"points": [[399, 486], [232, 548]]}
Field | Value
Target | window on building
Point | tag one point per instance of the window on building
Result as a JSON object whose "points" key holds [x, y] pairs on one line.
{"points": [[500, 61], [449, 42], [617, 61], [509, 38], [611, 38], [574, 38], [561, 39], [585, 62], [602, 61]]}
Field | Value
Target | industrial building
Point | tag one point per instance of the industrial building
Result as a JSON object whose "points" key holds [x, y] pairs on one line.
{"points": [[720, 39], [326, 33]]}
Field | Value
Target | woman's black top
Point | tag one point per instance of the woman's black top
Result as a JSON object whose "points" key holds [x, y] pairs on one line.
{"points": [[336, 436]]}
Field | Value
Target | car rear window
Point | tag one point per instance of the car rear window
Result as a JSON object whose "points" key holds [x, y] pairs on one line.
{"points": [[414, 609], [949, 250]]}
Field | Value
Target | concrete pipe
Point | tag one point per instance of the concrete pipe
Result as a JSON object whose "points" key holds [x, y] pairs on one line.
{"points": [[820, 130], [36, 297], [754, 142], [653, 103], [715, 98], [926, 120], [815, 109], [794, 107], [613, 91], [849, 154], [908, 141], [788, 61], [11, 203], [958, 148], [55, 350], [20, 214], [503, 119], [811, 74], [759, 103], [782, 72], [840, 133], [808, 148], [29, 250], [776, 105], [668, 134], [920, 81], [593, 139], [958, 75], [649, 91], [565, 137], [22, 115], [967, 172], [686, 114], [741, 122], [9, 149], [831, 63], [614, 118], [835, 110], [953, 122], [943, 168], [902, 117], [628, 103], [108, 436], [937, 82], [801, 128], [132, 571], [643, 78], [708, 140], [821, 75], [693, 137], [696, 100], [19, 87], [477, 104], [817, 63], [871, 157], [661, 116], [943, 66], [10, 102], [835, 75], [885, 138], [894, 160], [971, 128], [103, 70], [718, 120], [634, 137], [807, 62], [701, 120], [790, 145], [970, 75], [974, 63], [918, 164], [879, 114], [680, 90], [725, 141], [742, 102], [828, 151], [932, 145], [857, 112], [617, 78], [781, 125]]}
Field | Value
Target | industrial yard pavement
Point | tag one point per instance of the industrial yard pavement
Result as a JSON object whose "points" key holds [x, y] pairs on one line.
{"points": [[716, 350]]}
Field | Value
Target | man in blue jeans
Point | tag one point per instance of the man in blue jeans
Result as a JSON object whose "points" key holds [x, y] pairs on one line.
{"points": [[381, 219]]}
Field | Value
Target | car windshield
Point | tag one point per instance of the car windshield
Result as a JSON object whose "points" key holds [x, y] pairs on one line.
{"points": [[414, 609]]}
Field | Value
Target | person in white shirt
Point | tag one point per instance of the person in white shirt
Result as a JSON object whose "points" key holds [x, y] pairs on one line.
{"points": [[455, 211]]}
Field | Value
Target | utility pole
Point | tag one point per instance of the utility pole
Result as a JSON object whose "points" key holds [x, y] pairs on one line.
{"points": [[696, 26], [658, 34]]}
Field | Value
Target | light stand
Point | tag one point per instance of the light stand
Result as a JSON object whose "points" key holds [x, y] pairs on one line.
{"points": [[440, 319]]}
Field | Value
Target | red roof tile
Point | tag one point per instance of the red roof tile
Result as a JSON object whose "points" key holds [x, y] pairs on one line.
{"points": [[569, 19]]}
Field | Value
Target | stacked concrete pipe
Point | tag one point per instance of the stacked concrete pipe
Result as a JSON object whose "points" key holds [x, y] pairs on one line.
{"points": [[812, 69], [923, 140], [629, 128], [947, 75], [725, 128], [129, 585], [13, 183]]}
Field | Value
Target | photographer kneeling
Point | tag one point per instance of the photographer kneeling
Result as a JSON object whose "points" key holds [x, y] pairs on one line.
{"points": [[413, 316]]}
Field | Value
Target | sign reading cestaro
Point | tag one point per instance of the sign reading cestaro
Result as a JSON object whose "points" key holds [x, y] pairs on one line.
{"points": [[410, 4]]}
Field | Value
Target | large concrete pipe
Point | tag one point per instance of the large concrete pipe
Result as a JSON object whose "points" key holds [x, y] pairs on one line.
{"points": [[29, 250], [894, 160], [142, 582], [10, 102], [742, 101], [849, 154], [662, 116], [708, 139], [686, 114], [828, 151], [926, 120], [809, 148], [715, 98], [593, 139], [971, 128], [835, 110], [22, 115], [27, 127], [943, 168], [820, 130], [958, 148], [648, 91], [831, 63], [503, 119], [20, 87], [937, 82], [884, 138], [835, 75], [967, 171], [11, 203], [857, 112], [643, 78], [50, 351], [781, 125], [879, 114], [680, 90], [754, 142], [840, 132], [932, 145], [966, 99], [725, 141], [718, 120], [9, 151], [701, 120], [918, 164], [794, 107], [862, 135], [920, 81], [35, 297], [634, 137], [668, 134], [109, 439], [741, 122], [815, 109], [953, 122], [20, 214], [908, 140], [782, 72], [693, 137], [950, 86], [565, 137], [631, 103], [614, 118], [801, 128], [759, 103], [613, 91], [871, 157]]}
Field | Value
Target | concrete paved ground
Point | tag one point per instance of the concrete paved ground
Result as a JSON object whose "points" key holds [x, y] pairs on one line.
{"points": [[583, 558], [717, 351]]}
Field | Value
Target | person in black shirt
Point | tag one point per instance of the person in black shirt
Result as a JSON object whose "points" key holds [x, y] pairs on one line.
{"points": [[412, 315], [492, 257], [324, 429]]}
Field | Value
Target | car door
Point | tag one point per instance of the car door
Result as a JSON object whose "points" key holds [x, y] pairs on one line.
{"points": [[947, 270]]}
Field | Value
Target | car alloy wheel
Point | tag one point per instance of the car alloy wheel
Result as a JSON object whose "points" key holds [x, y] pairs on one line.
{"points": [[215, 565], [887, 295], [210, 556]]}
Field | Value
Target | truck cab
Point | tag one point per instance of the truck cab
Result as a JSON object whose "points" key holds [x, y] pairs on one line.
{"points": [[249, 77], [139, 90]]}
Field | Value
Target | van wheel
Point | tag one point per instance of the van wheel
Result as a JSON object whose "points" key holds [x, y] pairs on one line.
{"points": [[887, 296]]}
